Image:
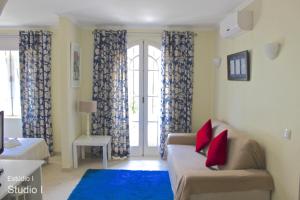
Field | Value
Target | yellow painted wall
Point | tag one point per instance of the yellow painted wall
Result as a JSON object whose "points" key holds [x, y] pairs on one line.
{"points": [[268, 103], [262, 107], [56, 81], [205, 43], [204, 52], [66, 118], [87, 48], [9, 31], [65, 115], [203, 71]]}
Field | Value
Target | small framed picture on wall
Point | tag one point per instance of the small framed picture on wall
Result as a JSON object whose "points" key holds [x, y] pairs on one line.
{"points": [[75, 65], [238, 66]]}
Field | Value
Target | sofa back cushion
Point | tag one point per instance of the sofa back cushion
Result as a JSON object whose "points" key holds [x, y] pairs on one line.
{"points": [[243, 152]]}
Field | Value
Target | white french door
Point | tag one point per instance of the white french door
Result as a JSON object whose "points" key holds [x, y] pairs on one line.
{"points": [[144, 60]]}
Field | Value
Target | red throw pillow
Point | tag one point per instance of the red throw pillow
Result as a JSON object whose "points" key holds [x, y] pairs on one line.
{"points": [[217, 152], [204, 136]]}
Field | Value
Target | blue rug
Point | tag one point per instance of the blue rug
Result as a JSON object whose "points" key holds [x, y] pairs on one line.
{"points": [[123, 185]]}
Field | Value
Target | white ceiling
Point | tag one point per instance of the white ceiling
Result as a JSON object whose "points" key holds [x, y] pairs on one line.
{"points": [[197, 13]]}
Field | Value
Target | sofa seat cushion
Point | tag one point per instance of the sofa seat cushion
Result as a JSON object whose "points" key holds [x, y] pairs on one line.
{"points": [[181, 159]]}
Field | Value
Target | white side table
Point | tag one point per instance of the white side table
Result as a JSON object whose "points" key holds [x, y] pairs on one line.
{"points": [[92, 141]]}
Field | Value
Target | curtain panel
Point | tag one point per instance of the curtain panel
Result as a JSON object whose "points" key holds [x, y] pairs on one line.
{"points": [[110, 89], [177, 88], [35, 78]]}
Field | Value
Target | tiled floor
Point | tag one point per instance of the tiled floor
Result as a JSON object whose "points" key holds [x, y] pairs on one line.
{"points": [[58, 183]]}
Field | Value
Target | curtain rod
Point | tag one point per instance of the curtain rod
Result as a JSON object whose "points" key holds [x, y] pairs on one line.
{"points": [[144, 32], [153, 33], [17, 34], [24, 31]]}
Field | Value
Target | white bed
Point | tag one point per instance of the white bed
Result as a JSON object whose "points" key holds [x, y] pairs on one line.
{"points": [[30, 149]]}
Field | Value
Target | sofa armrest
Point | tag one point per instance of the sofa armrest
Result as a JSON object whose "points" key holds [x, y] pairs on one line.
{"points": [[181, 138], [197, 182]]}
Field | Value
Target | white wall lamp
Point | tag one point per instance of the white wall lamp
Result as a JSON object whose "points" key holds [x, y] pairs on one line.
{"points": [[272, 50], [217, 62]]}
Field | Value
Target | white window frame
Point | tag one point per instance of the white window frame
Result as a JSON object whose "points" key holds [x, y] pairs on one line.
{"points": [[143, 40], [10, 43]]}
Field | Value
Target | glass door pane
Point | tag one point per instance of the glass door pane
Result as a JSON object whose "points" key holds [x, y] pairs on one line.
{"points": [[16, 83], [5, 87], [144, 80], [133, 61], [153, 98]]}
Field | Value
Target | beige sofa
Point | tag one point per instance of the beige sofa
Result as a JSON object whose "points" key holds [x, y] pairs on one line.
{"points": [[242, 178]]}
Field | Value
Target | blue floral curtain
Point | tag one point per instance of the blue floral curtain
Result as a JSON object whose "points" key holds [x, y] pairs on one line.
{"points": [[35, 73], [110, 89], [177, 90]]}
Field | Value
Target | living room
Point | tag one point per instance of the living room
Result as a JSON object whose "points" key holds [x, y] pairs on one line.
{"points": [[143, 80]]}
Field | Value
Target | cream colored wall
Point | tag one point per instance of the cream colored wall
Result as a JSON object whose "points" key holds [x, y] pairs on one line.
{"points": [[66, 118], [87, 47], [56, 79], [15, 125], [262, 107], [203, 71], [204, 52], [268, 103]]}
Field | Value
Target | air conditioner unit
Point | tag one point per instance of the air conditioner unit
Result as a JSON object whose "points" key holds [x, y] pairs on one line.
{"points": [[236, 23]]}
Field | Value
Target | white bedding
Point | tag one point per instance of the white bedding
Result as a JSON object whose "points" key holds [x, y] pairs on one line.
{"points": [[30, 149]]}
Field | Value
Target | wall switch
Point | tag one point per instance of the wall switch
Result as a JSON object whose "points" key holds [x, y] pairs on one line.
{"points": [[287, 134]]}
